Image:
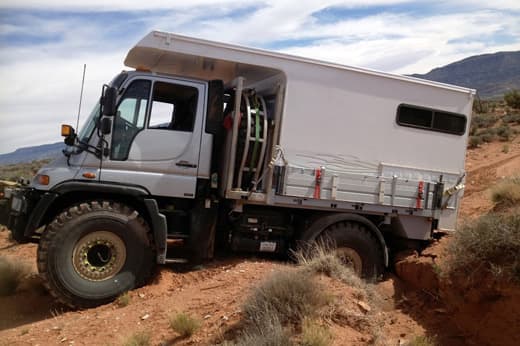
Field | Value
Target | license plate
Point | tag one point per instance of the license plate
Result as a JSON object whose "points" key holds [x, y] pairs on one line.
{"points": [[267, 246]]}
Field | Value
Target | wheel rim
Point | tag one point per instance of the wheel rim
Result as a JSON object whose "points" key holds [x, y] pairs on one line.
{"points": [[99, 255], [350, 257]]}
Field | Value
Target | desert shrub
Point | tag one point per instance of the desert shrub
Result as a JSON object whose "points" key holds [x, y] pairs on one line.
{"points": [[291, 294], [490, 243], [11, 275], [184, 324], [266, 331], [15, 171], [512, 99], [422, 341], [507, 192], [123, 300], [138, 339], [314, 334], [481, 121], [488, 135], [322, 259], [474, 141], [504, 132], [511, 118]]}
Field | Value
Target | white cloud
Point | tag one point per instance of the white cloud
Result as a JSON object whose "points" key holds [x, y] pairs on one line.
{"points": [[40, 78]]}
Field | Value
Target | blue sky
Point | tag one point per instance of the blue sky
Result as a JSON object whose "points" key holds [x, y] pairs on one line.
{"points": [[44, 43]]}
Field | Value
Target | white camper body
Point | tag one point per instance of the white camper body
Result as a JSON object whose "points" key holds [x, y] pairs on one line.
{"points": [[338, 129]]}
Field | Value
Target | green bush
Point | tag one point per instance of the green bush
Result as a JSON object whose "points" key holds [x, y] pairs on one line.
{"points": [[511, 118], [504, 132], [512, 99], [474, 141], [481, 121], [490, 244], [184, 324]]}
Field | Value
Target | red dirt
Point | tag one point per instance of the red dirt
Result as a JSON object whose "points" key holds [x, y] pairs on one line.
{"points": [[413, 304]]}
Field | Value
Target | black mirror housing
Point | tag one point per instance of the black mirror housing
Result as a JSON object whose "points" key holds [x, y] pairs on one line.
{"points": [[106, 126], [215, 115], [108, 102]]}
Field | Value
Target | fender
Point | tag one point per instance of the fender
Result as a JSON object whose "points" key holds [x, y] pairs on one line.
{"points": [[158, 220], [48, 198], [320, 224]]}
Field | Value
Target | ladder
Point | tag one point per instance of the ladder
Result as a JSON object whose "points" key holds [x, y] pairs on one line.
{"points": [[255, 129]]}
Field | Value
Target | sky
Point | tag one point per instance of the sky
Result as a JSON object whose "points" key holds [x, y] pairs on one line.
{"points": [[45, 43]]}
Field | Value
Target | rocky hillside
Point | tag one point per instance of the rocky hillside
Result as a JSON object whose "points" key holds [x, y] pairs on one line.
{"points": [[28, 154], [491, 74]]}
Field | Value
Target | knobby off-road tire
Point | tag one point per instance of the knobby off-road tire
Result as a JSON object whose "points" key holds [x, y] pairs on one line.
{"points": [[356, 246], [93, 252]]}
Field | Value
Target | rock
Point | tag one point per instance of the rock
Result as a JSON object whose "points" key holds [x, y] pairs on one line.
{"points": [[145, 317]]}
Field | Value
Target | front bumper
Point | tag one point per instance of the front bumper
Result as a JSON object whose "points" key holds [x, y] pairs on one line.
{"points": [[17, 210]]}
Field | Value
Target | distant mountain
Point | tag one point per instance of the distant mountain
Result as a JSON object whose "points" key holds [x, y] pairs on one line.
{"points": [[28, 154], [491, 74]]}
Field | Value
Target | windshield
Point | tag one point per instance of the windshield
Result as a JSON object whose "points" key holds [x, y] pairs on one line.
{"points": [[90, 124]]}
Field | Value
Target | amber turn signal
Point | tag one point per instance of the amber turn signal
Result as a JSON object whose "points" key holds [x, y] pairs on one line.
{"points": [[66, 130], [43, 179], [89, 175]]}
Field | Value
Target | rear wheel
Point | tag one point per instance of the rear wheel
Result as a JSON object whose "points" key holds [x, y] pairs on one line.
{"points": [[355, 246], [93, 252]]}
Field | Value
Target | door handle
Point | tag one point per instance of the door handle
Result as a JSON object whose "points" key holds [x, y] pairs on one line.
{"points": [[186, 164]]}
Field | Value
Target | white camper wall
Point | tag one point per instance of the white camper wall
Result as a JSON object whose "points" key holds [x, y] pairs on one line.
{"points": [[340, 117]]}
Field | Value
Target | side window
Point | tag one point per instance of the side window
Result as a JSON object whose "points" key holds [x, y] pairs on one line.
{"points": [[130, 117], [431, 119], [174, 107]]}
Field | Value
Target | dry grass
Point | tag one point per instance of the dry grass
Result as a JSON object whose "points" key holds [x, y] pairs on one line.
{"points": [[11, 275], [314, 334], [266, 331], [184, 324], [291, 295], [123, 300], [138, 339], [422, 341], [322, 259], [491, 243], [507, 193]]}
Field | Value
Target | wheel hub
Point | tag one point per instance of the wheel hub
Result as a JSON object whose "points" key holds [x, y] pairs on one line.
{"points": [[99, 255]]}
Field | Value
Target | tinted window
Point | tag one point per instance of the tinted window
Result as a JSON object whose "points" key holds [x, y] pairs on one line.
{"points": [[431, 119], [174, 107]]}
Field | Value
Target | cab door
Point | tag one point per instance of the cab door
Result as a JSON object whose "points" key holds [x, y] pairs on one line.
{"points": [[156, 138]]}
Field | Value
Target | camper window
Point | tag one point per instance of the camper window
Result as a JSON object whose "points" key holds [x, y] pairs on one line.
{"points": [[431, 119]]}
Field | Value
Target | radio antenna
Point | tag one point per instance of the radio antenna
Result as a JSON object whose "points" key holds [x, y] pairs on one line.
{"points": [[81, 95]]}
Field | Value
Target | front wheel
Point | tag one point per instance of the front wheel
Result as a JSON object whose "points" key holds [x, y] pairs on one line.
{"points": [[93, 252]]}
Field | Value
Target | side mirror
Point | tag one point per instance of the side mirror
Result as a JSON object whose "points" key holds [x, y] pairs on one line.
{"points": [[68, 132], [108, 102], [106, 126]]}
